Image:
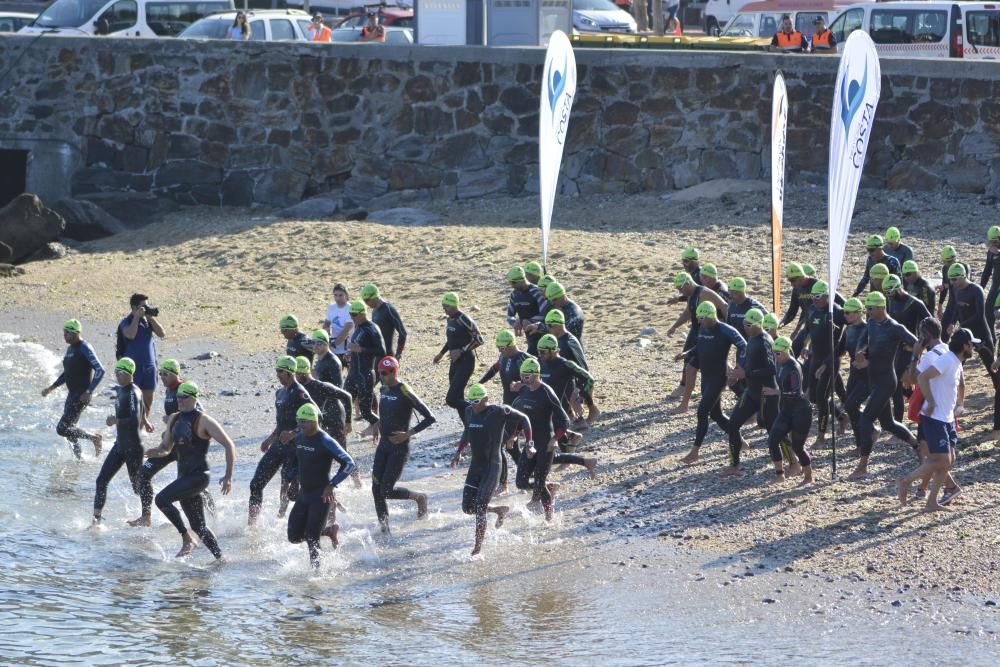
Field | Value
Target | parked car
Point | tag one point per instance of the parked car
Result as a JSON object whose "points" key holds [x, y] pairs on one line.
{"points": [[982, 31], [393, 35], [266, 25], [719, 12], [763, 19], [14, 21], [123, 18], [601, 16], [915, 29], [388, 15]]}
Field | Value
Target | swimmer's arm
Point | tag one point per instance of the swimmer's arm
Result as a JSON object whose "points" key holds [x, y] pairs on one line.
{"points": [[681, 319], [214, 430], [91, 357], [400, 331], [493, 370], [477, 338], [167, 442], [343, 458], [419, 406]]}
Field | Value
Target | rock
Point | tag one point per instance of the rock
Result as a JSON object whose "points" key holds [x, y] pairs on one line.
{"points": [[51, 250], [483, 182], [133, 209], [717, 188], [769, 600], [403, 216], [86, 221], [229, 392], [897, 603], [648, 331], [205, 356], [644, 343], [908, 175], [9, 271], [318, 207], [26, 225]]}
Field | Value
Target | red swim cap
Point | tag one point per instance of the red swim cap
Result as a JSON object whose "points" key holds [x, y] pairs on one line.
{"points": [[389, 364]]}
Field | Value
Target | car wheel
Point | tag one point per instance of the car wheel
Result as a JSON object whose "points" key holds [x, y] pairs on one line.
{"points": [[712, 27]]}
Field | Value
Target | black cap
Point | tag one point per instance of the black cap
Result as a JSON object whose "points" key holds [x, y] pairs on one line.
{"points": [[819, 19], [371, 14], [963, 337]]}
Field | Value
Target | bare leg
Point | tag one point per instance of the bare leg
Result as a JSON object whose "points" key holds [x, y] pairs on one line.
{"points": [[283, 503], [98, 441], [807, 476], [421, 499], [188, 543]]}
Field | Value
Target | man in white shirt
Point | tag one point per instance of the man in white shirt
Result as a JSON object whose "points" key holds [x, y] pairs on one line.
{"points": [[943, 387], [338, 321]]}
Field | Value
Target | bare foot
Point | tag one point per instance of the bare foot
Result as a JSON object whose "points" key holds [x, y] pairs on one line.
{"points": [[549, 512], [581, 424], [935, 508], [421, 505], [534, 506], [98, 443], [143, 521], [858, 474], [794, 470], [679, 410], [501, 511], [593, 416], [331, 532], [676, 393], [96, 524], [553, 487], [590, 464], [730, 471], [902, 491], [476, 549], [776, 480], [806, 481], [356, 478], [189, 543], [691, 457], [504, 490]]}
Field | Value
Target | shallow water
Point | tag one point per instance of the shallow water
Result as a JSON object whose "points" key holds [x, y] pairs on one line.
{"points": [[539, 593]]}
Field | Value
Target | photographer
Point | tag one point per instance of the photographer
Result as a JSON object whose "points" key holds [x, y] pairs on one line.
{"points": [[135, 340]]}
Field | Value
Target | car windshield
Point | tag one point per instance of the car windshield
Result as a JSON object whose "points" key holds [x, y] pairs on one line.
{"points": [[69, 13], [210, 28], [594, 5]]}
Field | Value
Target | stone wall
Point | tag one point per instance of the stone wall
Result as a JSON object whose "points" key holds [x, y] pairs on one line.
{"points": [[241, 124]]}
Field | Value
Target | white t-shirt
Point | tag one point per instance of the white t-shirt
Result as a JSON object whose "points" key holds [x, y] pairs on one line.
{"points": [[944, 387], [930, 356], [339, 318]]}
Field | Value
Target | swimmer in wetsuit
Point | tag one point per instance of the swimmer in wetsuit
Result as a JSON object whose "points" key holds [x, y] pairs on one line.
{"points": [[334, 405], [365, 348], [316, 451], [526, 307], [462, 337], [794, 414], [189, 433], [82, 372], [326, 365], [386, 318], [509, 368], [486, 428], [297, 343]]}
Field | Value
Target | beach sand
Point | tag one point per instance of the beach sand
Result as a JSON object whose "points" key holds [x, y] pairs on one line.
{"points": [[224, 277]]}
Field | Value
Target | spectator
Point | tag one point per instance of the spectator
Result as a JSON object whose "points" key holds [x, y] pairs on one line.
{"points": [[317, 30], [240, 30], [673, 26], [788, 39], [824, 42], [338, 322], [373, 32], [135, 341]]}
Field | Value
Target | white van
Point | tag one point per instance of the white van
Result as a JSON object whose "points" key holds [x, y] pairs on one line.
{"points": [[719, 12], [982, 30], [763, 19], [124, 18], [908, 29]]}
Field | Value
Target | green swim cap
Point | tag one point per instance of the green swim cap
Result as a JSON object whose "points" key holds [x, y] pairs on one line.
{"points": [[909, 266], [476, 392], [874, 241], [794, 270], [996, 301], [555, 316], [706, 310], [993, 233], [709, 270], [188, 389], [737, 285], [125, 364], [548, 342], [769, 322], [875, 300], [72, 326], [302, 365], [285, 363], [357, 308], [533, 269], [370, 291], [545, 281], [683, 278], [754, 317], [515, 274], [690, 254], [307, 412], [531, 365], [956, 270], [171, 366], [505, 338], [450, 299], [289, 322], [782, 344], [892, 234], [820, 288], [809, 270], [891, 283], [948, 252], [878, 271], [320, 335], [853, 305], [554, 291]]}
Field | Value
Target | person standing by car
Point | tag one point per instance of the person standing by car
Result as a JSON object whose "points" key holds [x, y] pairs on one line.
{"points": [[788, 39], [240, 30], [135, 341], [373, 32], [317, 30], [823, 41]]}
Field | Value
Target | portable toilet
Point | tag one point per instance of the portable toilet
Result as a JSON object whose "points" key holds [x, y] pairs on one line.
{"points": [[526, 22]]}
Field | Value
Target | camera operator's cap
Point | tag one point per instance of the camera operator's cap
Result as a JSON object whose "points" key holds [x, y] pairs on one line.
{"points": [[754, 317], [515, 274], [555, 316], [706, 310], [874, 241], [782, 344], [357, 308], [189, 389], [909, 266], [891, 283], [956, 270], [389, 363], [307, 412], [125, 365], [683, 278], [320, 335], [545, 281], [476, 392], [289, 322], [770, 321], [690, 254], [993, 233], [171, 366], [809, 270], [504, 338], [794, 270], [853, 305], [875, 300], [892, 234], [302, 365], [709, 270], [285, 363], [555, 291], [948, 252], [533, 269], [820, 288], [878, 271], [370, 291], [964, 337], [531, 365], [548, 342], [450, 299], [73, 326], [737, 285]]}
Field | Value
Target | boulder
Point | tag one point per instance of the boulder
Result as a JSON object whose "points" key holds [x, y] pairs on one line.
{"points": [[319, 207], [403, 216], [50, 250], [86, 221], [9, 271], [133, 209], [26, 225]]}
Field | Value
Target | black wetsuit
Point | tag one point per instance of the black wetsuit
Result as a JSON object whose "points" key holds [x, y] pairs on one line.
{"points": [[299, 346], [821, 356], [722, 289], [463, 335], [571, 349], [921, 289], [893, 264], [308, 516], [882, 339], [967, 309], [329, 369], [335, 407], [485, 433], [191, 452], [509, 369], [794, 414], [527, 304], [128, 446], [758, 364], [991, 269], [945, 295], [82, 372], [857, 379], [800, 304], [736, 312], [565, 377], [287, 401], [388, 321], [910, 312], [548, 420], [361, 378], [573, 315], [711, 356], [902, 253], [395, 411], [692, 336]]}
